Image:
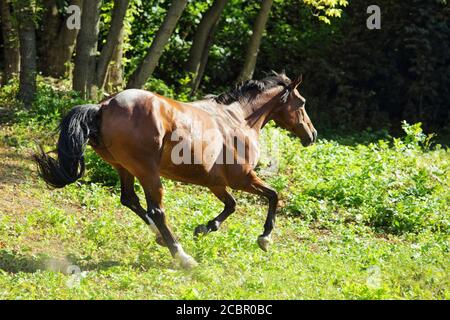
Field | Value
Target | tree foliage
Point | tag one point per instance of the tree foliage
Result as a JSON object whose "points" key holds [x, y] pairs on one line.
{"points": [[354, 77]]}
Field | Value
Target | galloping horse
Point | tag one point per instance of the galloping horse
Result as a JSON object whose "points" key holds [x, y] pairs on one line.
{"points": [[140, 134]]}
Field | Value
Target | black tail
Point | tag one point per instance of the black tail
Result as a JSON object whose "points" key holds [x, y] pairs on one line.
{"points": [[79, 125]]}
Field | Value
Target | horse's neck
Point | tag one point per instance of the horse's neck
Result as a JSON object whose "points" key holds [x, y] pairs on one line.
{"points": [[233, 115], [254, 114], [259, 112]]}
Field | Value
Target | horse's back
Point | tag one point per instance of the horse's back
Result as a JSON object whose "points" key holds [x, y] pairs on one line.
{"points": [[131, 130]]}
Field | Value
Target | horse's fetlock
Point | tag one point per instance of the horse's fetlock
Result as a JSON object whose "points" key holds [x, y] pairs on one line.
{"points": [[213, 225], [155, 213]]}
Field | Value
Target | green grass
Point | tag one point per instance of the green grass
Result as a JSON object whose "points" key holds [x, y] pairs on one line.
{"points": [[357, 221]]}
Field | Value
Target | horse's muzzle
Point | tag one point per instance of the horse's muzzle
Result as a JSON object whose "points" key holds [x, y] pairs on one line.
{"points": [[310, 140]]}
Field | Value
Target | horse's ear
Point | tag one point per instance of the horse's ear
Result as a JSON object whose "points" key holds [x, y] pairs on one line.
{"points": [[297, 82]]}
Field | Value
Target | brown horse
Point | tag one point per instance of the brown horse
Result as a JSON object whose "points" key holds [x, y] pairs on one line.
{"points": [[212, 143]]}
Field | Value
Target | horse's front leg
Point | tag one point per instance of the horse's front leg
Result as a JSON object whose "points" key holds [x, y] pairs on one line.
{"points": [[230, 207], [256, 186]]}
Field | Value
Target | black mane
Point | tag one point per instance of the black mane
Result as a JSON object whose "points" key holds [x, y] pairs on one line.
{"points": [[249, 89]]}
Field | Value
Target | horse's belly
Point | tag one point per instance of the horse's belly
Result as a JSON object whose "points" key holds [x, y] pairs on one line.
{"points": [[191, 162]]}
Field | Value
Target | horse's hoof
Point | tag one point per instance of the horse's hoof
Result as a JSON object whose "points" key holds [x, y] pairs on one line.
{"points": [[186, 261], [201, 229], [189, 263], [263, 242], [160, 241]]}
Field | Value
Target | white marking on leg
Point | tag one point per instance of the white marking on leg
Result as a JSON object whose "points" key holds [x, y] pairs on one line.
{"points": [[184, 259], [152, 225]]}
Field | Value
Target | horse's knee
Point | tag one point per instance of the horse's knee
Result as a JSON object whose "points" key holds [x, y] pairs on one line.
{"points": [[272, 196]]}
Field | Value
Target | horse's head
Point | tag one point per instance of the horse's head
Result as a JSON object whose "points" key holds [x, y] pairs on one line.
{"points": [[292, 116]]}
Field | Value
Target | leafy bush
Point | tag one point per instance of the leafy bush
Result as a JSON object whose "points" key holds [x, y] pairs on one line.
{"points": [[158, 86], [395, 186]]}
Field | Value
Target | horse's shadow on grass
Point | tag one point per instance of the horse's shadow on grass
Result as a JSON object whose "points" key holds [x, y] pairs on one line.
{"points": [[14, 262]]}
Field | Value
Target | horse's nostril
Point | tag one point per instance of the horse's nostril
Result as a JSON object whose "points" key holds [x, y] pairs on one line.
{"points": [[307, 143]]}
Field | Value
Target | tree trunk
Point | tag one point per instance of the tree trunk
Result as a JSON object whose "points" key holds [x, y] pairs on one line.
{"points": [[86, 49], [201, 37], [10, 40], [255, 41], [114, 36], [60, 51], [148, 65], [27, 38], [201, 70], [114, 79], [48, 33]]}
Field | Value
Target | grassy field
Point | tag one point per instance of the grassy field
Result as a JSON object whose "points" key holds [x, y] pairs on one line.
{"points": [[358, 220]]}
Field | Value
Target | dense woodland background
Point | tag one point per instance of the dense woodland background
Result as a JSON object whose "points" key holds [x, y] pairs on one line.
{"points": [[364, 212], [355, 78]]}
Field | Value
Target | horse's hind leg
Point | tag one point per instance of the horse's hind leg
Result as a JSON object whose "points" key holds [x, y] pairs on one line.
{"points": [[256, 186], [129, 199], [230, 205], [128, 196], [153, 193]]}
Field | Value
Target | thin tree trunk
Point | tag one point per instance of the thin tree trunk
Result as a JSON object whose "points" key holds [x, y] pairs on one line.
{"points": [[112, 41], [61, 49], [255, 41], [201, 70], [114, 79], [148, 65], [10, 41], [48, 33], [86, 48], [27, 37], [201, 37]]}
